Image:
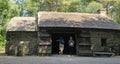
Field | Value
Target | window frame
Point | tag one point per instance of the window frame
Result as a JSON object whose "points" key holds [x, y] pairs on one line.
{"points": [[103, 41]]}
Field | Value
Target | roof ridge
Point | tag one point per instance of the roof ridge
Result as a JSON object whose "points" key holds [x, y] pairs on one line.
{"points": [[65, 12]]}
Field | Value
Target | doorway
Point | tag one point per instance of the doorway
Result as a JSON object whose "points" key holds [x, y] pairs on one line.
{"points": [[65, 36]]}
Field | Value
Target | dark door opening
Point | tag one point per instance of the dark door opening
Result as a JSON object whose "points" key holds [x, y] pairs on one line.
{"points": [[65, 36]]}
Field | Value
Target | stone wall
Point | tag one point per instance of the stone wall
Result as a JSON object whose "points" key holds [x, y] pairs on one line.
{"points": [[45, 46], [113, 38], [95, 35], [14, 39], [42, 43]]}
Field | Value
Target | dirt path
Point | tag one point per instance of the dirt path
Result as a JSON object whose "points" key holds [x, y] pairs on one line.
{"points": [[58, 60]]}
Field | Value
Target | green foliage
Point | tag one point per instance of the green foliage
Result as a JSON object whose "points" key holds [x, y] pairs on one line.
{"points": [[116, 9], [2, 41], [74, 6], [3, 4], [5, 15], [93, 7]]}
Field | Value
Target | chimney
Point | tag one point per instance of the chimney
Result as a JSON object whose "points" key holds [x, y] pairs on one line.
{"points": [[102, 11]]}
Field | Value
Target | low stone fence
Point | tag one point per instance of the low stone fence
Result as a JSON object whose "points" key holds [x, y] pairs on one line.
{"points": [[2, 50]]}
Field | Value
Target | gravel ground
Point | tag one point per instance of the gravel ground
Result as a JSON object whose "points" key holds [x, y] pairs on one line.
{"points": [[58, 59]]}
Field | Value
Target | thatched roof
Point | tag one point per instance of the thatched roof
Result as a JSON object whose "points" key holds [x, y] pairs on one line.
{"points": [[76, 20], [22, 24], [62, 19]]}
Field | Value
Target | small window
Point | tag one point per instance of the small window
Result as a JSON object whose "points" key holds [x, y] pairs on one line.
{"points": [[103, 42]]}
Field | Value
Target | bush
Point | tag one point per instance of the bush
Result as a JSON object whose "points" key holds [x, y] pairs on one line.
{"points": [[2, 41]]}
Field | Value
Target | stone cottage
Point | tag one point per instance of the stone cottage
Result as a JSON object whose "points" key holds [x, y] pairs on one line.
{"points": [[91, 32]]}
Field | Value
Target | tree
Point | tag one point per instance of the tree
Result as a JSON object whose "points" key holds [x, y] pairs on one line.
{"points": [[3, 11], [116, 11], [75, 6], [93, 7], [30, 7], [8, 10]]}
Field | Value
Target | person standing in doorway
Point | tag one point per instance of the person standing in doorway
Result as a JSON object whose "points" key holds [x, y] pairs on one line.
{"points": [[61, 45], [71, 45]]}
